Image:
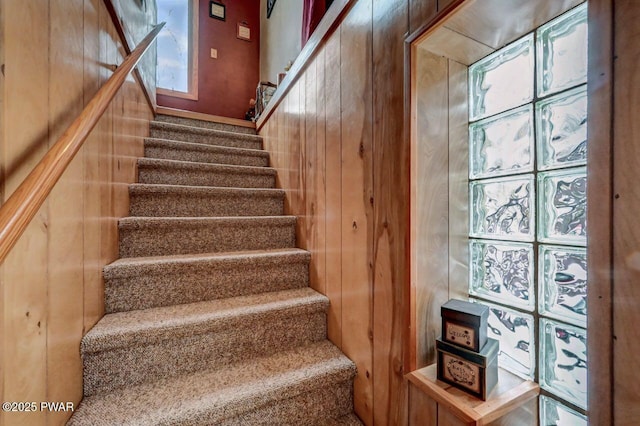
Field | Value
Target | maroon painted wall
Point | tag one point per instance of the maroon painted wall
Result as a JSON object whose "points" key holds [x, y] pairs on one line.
{"points": [[226, 84]]}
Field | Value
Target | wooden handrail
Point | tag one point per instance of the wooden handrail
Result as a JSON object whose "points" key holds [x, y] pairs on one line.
{"points": [[18, 211]]}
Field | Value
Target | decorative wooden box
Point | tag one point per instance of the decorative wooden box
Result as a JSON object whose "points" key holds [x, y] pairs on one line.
{"points": [[465, 324], [475, 373]]}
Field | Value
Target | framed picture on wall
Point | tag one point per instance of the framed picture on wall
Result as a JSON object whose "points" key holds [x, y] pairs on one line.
{"points": [[217, 10], [270, 4], [244, 32]]}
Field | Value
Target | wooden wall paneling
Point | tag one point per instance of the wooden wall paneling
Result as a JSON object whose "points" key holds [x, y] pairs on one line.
{"points": [[121, 142], [412, 61], [421, 11], [109, 234], [318, 208], [55, 270], [92, 79], [422, 409], [357, 189], [626, 227], [302, 167], [313, 193], [390, 210], [294, 151], [333, 181], [279, 156], [285, 151], [65, 239], [25, 277], [430, 212], [599, 214], [458, 181]]}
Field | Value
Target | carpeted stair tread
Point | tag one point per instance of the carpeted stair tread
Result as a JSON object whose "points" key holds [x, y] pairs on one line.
{"points": [[130, 267], [173, 172], [203, 201], [180, 132], [154, 236], [224, 396], [129, 348], [125, 329], [146, 282], [348, 420], [197, 152], [206, 124]]}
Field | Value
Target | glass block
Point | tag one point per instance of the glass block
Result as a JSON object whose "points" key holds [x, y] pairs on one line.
{"points": [[502, 208], [562, 206], [554, 413], [561, 125], [502, 80], [563, 361], [563, 283], [503, 272], [502, 144], [562, 46], [515, 331]]}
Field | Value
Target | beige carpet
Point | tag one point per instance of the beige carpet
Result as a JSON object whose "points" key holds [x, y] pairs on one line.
{"points": [[210, 320]]}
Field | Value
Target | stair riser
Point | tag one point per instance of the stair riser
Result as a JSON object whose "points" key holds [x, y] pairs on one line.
{"points": [[257, 335], [205, 238], [310, 408], [187, 283], [190, 205], [206, 124], [197, 178], [207, 139], [205, 157]]}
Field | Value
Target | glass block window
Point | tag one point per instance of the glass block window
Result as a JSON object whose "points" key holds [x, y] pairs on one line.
{"points": [[527, 208]]}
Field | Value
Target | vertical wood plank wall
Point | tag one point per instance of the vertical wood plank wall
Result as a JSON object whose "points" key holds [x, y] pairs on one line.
{"points": [[337, 140], [626, 204], [55, 55]]}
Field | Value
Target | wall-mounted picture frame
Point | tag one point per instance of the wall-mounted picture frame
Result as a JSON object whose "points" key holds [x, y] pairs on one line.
{"points": [[270, 4], [244, 32], [217, 10]]}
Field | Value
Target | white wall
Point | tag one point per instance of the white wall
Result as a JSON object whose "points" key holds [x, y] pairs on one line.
{"points": [[279, 37]]}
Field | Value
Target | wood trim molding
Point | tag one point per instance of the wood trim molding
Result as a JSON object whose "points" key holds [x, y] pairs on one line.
{"points": [[326, 27], [205, 117], [600, 213]]}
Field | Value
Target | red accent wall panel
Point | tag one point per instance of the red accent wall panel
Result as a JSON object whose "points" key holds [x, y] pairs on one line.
{"points": [[225, 84]]}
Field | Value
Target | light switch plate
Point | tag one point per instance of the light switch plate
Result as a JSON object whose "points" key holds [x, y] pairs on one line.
{"points": [[214, 53]]}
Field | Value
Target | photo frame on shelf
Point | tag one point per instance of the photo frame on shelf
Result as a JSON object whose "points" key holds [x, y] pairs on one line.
{"points": [[217, 10]]}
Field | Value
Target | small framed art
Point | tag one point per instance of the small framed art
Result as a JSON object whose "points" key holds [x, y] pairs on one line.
{"points": [[217, 10]]}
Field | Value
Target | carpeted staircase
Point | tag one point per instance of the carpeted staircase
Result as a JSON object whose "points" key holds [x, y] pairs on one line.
{"points": [[210, 320]]}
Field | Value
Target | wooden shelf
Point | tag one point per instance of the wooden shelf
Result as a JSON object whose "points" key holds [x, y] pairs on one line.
{"points": [[510, 393]]}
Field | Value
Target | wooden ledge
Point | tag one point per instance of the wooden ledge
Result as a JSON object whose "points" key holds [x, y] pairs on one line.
{"points": [[205, 117], [510, 393]]}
